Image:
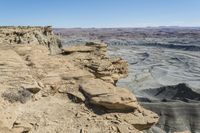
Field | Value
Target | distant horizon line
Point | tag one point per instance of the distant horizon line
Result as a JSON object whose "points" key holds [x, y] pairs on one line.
{"points": [[126, 27], [114, 27]]}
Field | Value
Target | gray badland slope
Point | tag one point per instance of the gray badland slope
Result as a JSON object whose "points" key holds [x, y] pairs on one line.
{"points": [[164, 69]]}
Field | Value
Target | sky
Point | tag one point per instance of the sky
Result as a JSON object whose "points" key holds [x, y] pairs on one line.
{"points": [[100, 13]]}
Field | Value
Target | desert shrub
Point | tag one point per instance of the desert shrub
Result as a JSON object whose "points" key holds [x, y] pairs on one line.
{"points": [[19, 96]]}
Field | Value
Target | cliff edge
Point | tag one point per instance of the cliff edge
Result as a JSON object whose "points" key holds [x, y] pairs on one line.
{"points": [[73, 90], [30, 36]]}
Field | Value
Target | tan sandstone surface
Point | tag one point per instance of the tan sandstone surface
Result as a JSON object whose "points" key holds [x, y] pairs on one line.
{"points": [[48, 89]]}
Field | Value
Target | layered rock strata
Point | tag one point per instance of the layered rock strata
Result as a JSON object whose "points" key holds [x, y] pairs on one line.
{"points": [[64, 92], [93, 57]]}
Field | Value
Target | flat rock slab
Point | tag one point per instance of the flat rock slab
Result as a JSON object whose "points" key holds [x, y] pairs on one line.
{"points": [[107, 95], [72, 49]]}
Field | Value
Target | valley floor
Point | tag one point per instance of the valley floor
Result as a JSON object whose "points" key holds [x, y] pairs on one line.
{"points": [[166, 81]]}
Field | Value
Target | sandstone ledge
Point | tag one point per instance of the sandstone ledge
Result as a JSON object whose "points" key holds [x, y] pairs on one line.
{"points": [[35, 85]]}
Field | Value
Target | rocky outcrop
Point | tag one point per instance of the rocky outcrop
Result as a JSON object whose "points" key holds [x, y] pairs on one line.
{"points": [[30, 35], [66, 92], [100, 93], [93, 57]]}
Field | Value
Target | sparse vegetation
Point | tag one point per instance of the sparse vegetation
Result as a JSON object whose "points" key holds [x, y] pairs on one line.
{"points": [[20, 96]]}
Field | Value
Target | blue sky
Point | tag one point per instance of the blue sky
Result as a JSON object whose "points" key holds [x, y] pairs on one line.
{"points": [[100, 13]]}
